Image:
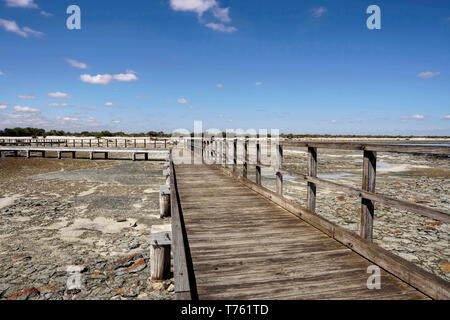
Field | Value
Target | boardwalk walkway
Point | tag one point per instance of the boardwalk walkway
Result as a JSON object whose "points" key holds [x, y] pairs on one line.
{"points": [[243, 246]]}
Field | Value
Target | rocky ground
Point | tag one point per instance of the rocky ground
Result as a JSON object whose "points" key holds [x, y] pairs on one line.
{"points": [[420, 179], [78, 229], [60, 219]]}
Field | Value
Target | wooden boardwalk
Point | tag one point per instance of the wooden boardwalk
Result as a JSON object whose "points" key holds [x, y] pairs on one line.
{"points": [[243, 246]]}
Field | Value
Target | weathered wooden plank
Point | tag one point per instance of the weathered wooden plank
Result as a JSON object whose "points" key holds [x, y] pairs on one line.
{"points": [[311, 188], [437, 214], [401, 148], [183, 283], [426, 282]]}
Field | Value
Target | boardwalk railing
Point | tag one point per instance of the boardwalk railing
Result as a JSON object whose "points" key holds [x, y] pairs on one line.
{"points": [[84, 142], [212, 151], [182, 269]]}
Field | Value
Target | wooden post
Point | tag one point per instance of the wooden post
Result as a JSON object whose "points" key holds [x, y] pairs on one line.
{"points": [[164, 201], [73, 143], [234, 154], [312, 172], [73, 154], [28, 154], [160, 241], [165, 143], [90, 143], [220, 151], [155, 143], [106, 155], [368, 184], [245, 162], [135, 143], [133, 156], [82, 143], [279, 176], [43, 154], [91, 155], [125, 143], [258, 162]]}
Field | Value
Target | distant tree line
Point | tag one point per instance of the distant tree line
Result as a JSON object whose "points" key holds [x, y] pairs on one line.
{"points": [[34, 132]]}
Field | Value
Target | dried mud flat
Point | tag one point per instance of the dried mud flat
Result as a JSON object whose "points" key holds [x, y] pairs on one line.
{"points": [[95, 216]]}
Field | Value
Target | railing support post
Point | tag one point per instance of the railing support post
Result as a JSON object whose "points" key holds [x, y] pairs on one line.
{"points": [[368, 184], [279, 176], [258, 162], [312, 172], [245, 162], [234, 155]]}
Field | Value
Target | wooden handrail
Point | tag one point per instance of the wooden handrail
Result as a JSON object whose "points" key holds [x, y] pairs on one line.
{"points": [[380, 147], [183, 274]]}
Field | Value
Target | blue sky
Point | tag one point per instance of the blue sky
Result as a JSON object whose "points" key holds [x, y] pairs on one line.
{"points": [[298, 66]]}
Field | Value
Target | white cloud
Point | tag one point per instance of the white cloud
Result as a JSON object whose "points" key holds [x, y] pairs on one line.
{"points": [[46, 14], [57, 104], [258, 83], [1, 73], [192, 108], [25, 109], [3, 107], [202, 6], [115, 121], [222, 14], [69, 119], [125, 77], [98, 79], [416, 116], [21, 3], [219, 85], [333, 121], [131, 71], [76, 64], [26, 97], [91, 119], [182, 100], [11, 26], [447, 117], [59, 95], [198, 6], [109, 104], [220, 27], [428, 74], [107, 78], [318, 12]]}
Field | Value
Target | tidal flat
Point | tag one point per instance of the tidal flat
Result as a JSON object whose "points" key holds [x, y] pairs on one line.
{"points": [[92, 215]]}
